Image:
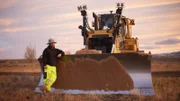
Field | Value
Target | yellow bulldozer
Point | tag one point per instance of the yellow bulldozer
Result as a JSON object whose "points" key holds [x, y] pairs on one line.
{"points": [[110, 63], [111, 34]]}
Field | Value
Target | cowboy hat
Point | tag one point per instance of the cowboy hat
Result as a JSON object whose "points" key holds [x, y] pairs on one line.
{"points": [[51, 41]]}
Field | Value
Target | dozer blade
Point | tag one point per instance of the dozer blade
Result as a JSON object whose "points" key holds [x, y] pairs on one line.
{"points": [[118, 73]]}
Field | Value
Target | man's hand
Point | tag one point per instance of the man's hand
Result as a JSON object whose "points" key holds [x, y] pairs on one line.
{"points": [[59, 55], [45, 67]]}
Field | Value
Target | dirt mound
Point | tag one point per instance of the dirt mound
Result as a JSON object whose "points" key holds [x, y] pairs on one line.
{"points": [[87, 51], [89, 74]]}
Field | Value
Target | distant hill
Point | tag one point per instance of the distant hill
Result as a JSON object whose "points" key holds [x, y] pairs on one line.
{"points": [[171, 54]]}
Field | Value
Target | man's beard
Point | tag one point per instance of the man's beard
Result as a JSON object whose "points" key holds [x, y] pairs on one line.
{"points": [[51, 46]]}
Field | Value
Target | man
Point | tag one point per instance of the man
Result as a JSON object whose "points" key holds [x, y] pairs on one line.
{"points": [[50, 55]]}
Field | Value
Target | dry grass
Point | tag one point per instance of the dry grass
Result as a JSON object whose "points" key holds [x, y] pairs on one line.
{"points": [[19, 66], [167, 88], [166, 64], [21, 88]]}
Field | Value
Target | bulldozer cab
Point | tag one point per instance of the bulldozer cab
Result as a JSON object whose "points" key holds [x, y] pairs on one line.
{"points": [[100, 39], [106, 21]]}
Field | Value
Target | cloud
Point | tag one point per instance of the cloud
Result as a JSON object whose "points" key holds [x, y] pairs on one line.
{"points": [[159, 48], [13, 30], [62, 17], [2, 50], [155, 36], [38, 27], [149, 47], [49, 5], [70, 6], [168, 41], [6, 21], [173, 15], [138, 4], [7, 3], [152, 3]]}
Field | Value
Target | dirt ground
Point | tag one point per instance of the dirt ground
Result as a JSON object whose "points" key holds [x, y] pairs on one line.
{"points": [[165, 64], [15, 87]]}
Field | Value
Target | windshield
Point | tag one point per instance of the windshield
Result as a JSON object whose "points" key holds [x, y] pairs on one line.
{"points": [[107, 21]]}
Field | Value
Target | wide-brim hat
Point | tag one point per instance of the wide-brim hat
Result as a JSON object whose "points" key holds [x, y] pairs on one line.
{"points": [[51, 41]]}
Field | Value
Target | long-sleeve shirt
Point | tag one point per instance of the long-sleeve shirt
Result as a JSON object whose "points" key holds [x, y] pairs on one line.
{"points": [[50, 56]]}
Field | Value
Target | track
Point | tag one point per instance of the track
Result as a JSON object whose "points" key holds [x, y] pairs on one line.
{"points": [[159, 74]]}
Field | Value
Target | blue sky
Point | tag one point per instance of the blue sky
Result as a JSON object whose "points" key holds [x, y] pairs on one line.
{"points": [[24, 22]]}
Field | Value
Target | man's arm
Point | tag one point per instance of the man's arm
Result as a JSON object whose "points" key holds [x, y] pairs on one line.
{"points": [[45, 57], [60, 53]]}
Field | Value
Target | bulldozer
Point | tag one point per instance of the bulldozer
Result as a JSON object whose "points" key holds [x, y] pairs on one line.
{"points": [[110, 62]]}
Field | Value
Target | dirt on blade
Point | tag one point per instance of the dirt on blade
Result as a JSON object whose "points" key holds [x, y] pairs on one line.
{"points": [[89, 74]]}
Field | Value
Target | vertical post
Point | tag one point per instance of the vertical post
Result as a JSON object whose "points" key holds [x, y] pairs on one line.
{"points": [[116, 30], [84, 31], [96, 23]]}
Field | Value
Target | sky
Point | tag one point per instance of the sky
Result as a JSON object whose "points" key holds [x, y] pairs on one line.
{"points": [[33, 22]]}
